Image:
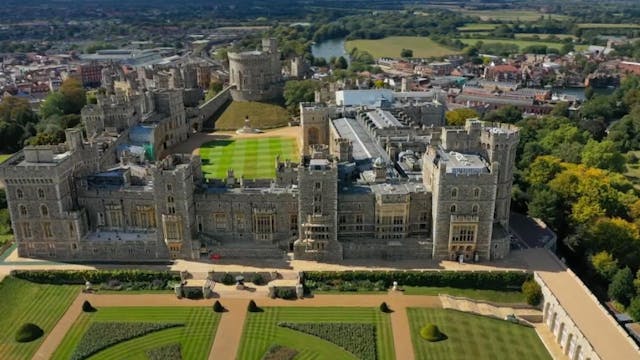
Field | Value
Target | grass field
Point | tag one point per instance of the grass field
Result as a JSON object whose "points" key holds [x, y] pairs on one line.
{"points": [[473, 337], [252, 157], [21, 302], [261, 331], [544, 36], [510, 15], [4, 157], [196, 337], [487, 295], [521, 43], [393, 45], [608, 26], [262, 115], [477, 27]]}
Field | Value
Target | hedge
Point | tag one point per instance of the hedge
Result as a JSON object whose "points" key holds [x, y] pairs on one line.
{"points": [[80, 277], [490, 280]]}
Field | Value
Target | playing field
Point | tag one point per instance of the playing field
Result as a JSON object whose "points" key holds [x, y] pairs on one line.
{"points": [[608, 26], [261, 330], [253, 158], [392, 46], [521, 43], [22, 302], [473, 27], [261, 115], [511, 15], [195, 337], [473, 337]]}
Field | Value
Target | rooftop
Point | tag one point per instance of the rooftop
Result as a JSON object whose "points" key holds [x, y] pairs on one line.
{"points": [[466, 164], [365, 148]]}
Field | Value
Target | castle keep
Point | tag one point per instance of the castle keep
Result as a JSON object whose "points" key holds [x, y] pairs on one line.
{"points": [[380, 176]]}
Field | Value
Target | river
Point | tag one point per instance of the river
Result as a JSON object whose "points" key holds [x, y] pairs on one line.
{"points": [[329, 48]]}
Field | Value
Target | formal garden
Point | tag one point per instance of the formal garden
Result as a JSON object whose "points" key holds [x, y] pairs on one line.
{"points": [[140, 333], [462, 335], [318, 333]]}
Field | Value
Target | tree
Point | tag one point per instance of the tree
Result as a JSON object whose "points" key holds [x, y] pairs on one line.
{"points": [[532, 292], [52, 105], [297, 91], [621, 288], [545, 204], [603, 155], [458, 117], [604, 264], [619, 237], [341, 63], [406, 53], [560, 109], [507, 114], [215, 87], [74, 95], [634, 308]]}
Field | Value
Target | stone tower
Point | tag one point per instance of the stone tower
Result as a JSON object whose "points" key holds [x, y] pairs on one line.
{"points": [[318, 207], [314, 126], [256, 75]]}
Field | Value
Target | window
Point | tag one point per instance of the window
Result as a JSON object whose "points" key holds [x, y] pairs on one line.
{"points": [[23, 210], [453, 208], [19, 194], [463, 233], [171, 209], [169, 187], [342, 219], [74, 246], [318, 185], [46, 228], [220, 220], [474, 209], [454, 193], [172, 231], [101, 219], [476, 193], [293, 222], [240, 222], [26, 230], [40, 194], [317, 197], [114, 216], [44, 210], [359, 219], [317, 210], [170, 199]]}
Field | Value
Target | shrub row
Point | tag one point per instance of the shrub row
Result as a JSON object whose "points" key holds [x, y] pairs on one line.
{"points": [[166, 352], [229, 278], [279, 352], [358, 339], [490, 280], [102, 335], [79, 277], [341, 285]]}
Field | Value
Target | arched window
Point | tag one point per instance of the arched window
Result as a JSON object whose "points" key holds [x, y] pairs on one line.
{"points": [[474, 209], [454, 193], [23, 210], [19, 194], [44, 210], [40, 194], [453, 208], [170, 199], [476, 193]]}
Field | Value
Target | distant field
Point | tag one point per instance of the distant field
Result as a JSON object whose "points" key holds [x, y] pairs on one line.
{"points": [[473, 337], [477, 27], [262, 115], [544, 36], [393, 45], [521, 43], [261, 330], [510, 15], [195, 337], [21, 302], [608, 26], [252, 157]]}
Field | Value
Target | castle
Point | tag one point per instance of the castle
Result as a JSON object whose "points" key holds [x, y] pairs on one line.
{"points": [[256, 75], [380, 176]]}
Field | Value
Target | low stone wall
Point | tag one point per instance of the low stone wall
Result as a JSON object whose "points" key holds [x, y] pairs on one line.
{"points": [[209, 108]]}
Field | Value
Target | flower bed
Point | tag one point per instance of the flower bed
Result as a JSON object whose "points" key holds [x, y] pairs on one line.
{"points": [[358, 339], [167, 352]]}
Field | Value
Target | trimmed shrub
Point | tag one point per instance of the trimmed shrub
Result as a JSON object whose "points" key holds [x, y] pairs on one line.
{"points": [[252, 307], [193, 293], [28, 332], [217, 307], [532, 292], [384, 308], [87, 307], [279, 352], [358, 339], [102, 335], [228, 279], [257, 279], [166, 352], [286, 293], [431, 333], [79, 277]]}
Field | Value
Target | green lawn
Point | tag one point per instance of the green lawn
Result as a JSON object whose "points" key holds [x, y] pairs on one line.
{"points": [[262, 115], [487, 295], [544, 36], [261, 331], [521, 43], [510, 15], [196, 337], [473, 337], [473, 27], [22, 302], [252, 157], [392, 46], [4, 157]]}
